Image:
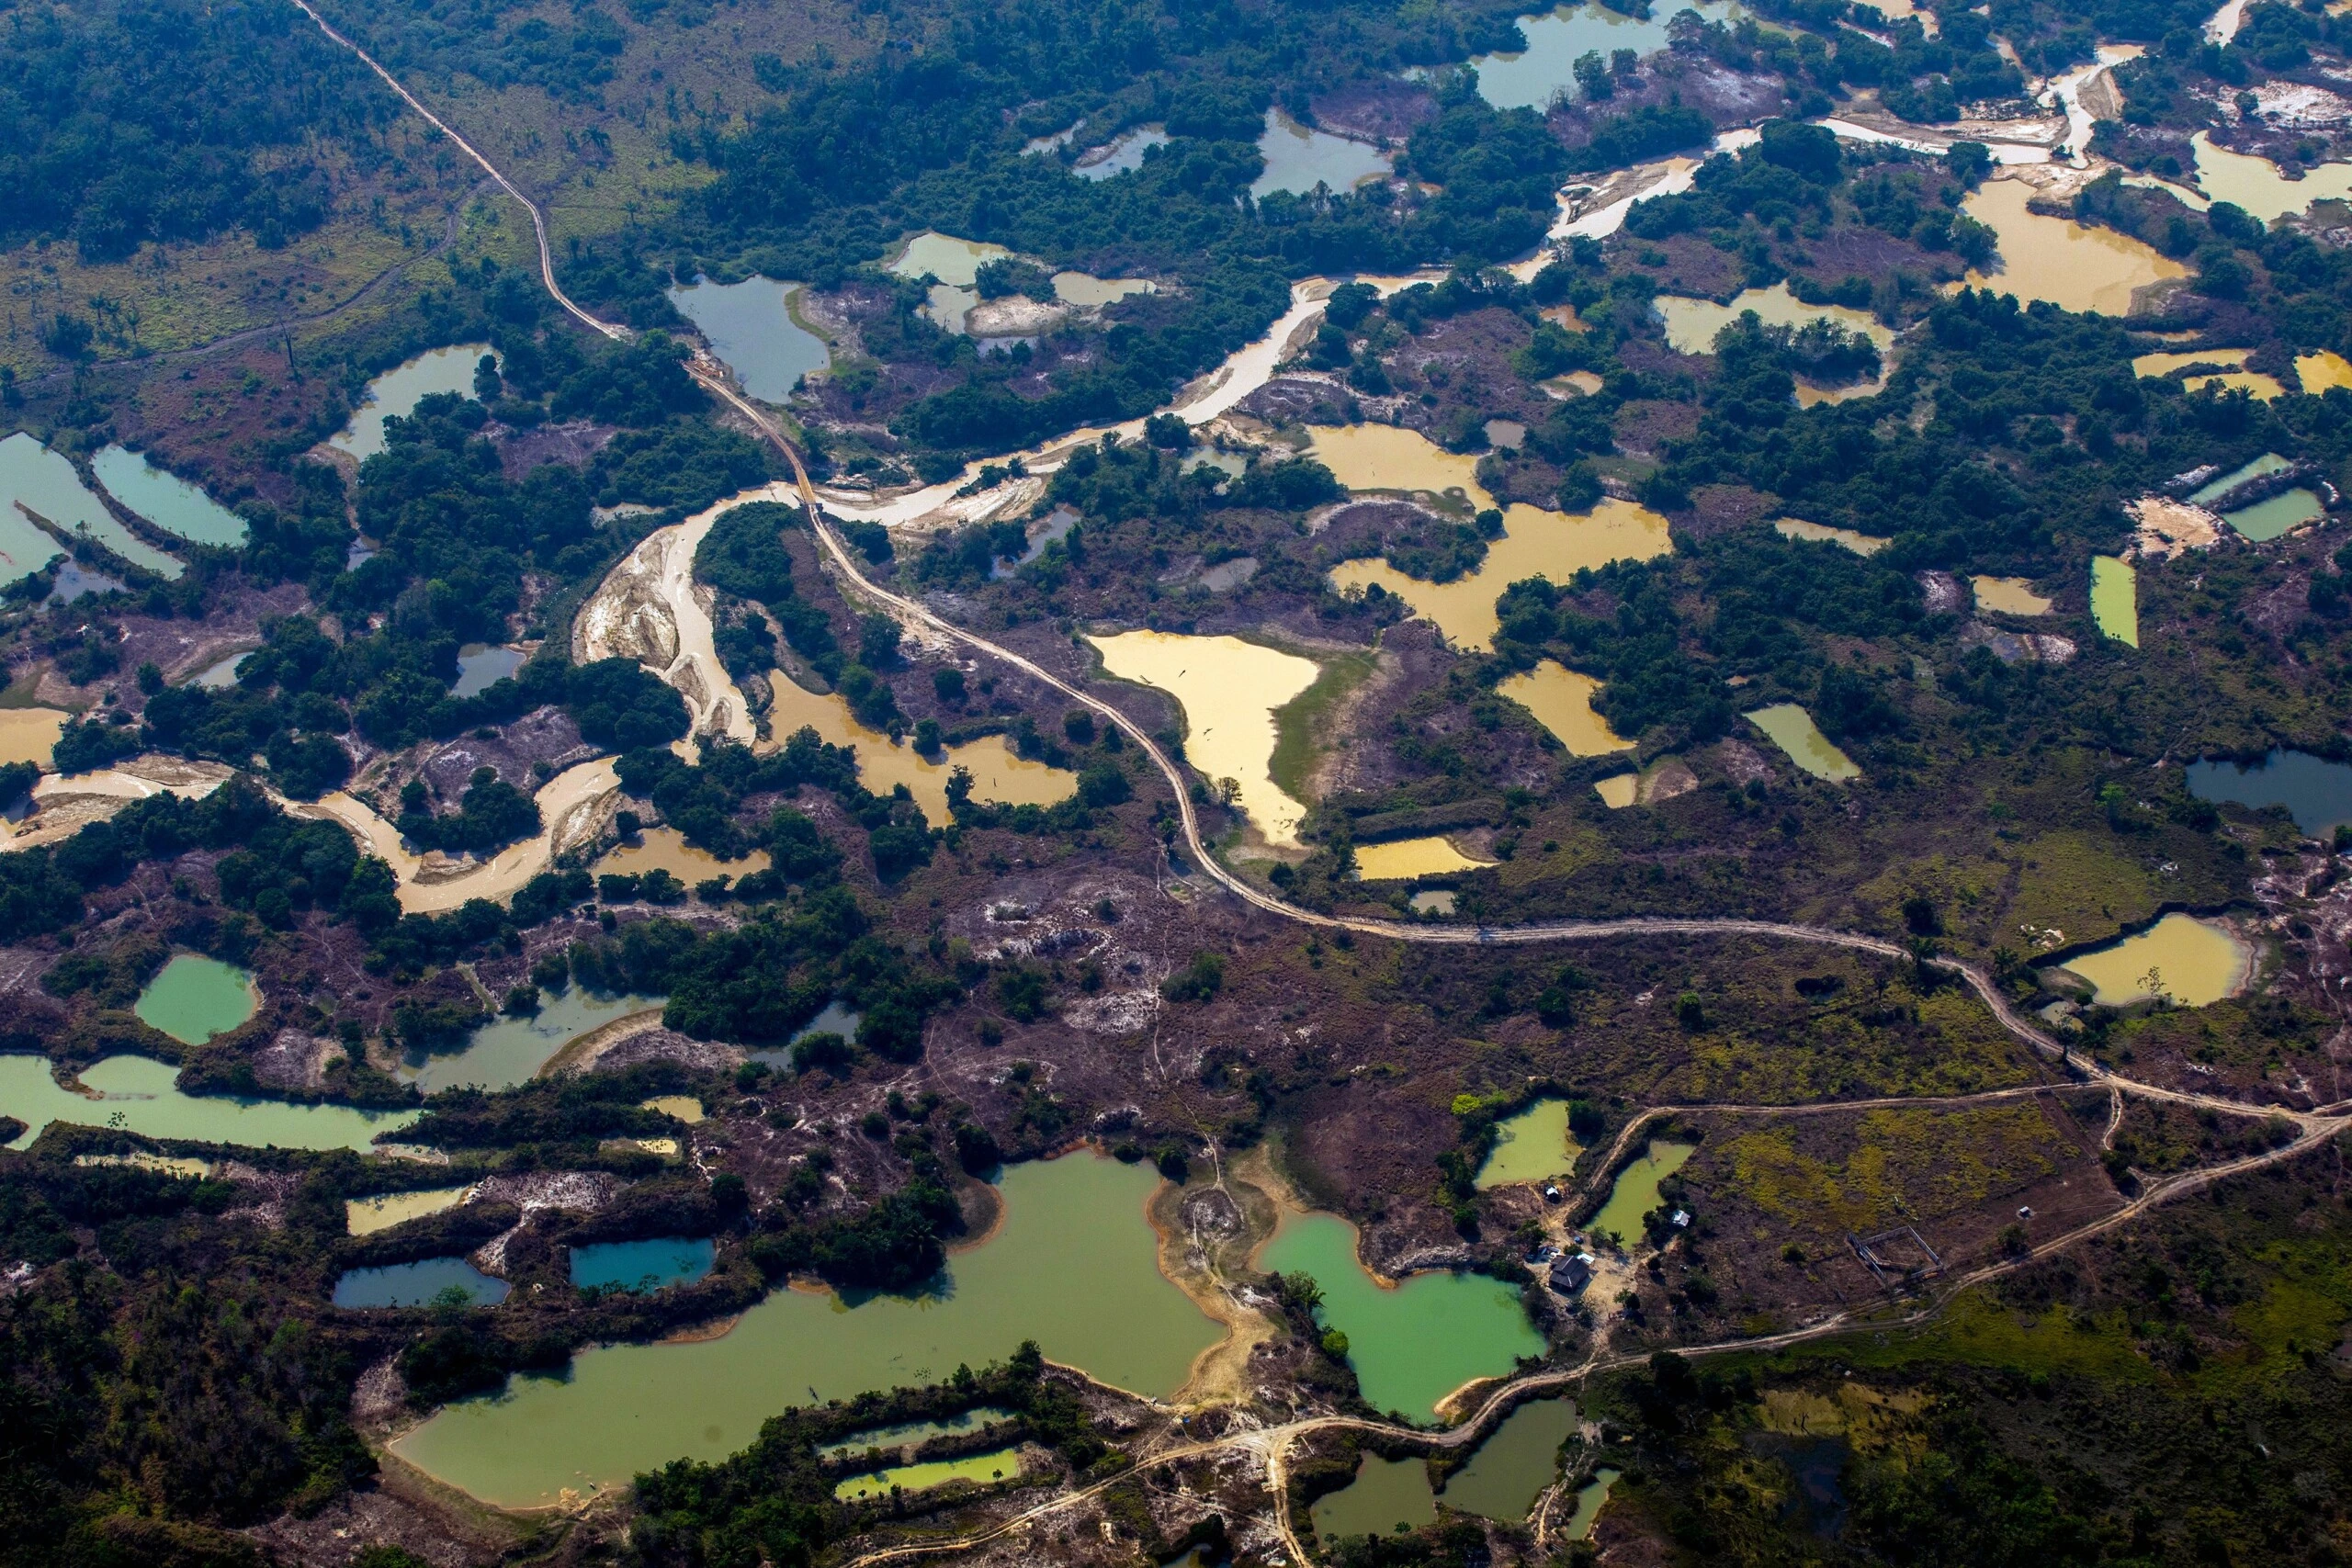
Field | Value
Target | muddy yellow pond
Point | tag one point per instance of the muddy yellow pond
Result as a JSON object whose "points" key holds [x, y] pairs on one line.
{"points": [[1401, 859], [1535, 543], [1793, 731], [999, 772], [2008, 596], [985, 1469], [1823, 533], [677, 1107], [1228, 690], [364, 1217], [2193, 962], [1561, 700], [1692, 324], [2170, 360], [29, 735], [2257, 186], [1531, 1145], [2115, 599], [2057, 259], [1389, 456], [2319, 371], [1619, 790], [665, 849]]}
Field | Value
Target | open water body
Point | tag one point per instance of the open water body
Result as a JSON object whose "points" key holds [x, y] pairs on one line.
{"points": [[1561, 700], [2319, 371], [512, 1050], [481, 666], [2257, 186], [1692, 324], [2268, 463], [138, 1094], [29, 735], [1121, 154], [1634, 1193], [750, 327], [2275, 516], [998, 1464], [1386, 1495], [2008, 596], [1401, 859], [364, 1217], [2070, 265], [645, 1265], [902, 1440], [35, 480], [1228, 690], [1801, 740], [2194, 962], [192, 998], [420, 1283], [2315, 792], [165, 499], [1073, 1266], [1823, 533], [1412, 1343], [999, 772], [1514, 1465], [2115, 599], [1531, 1147], [396, 393], [1298, 159], [1555, 39]]}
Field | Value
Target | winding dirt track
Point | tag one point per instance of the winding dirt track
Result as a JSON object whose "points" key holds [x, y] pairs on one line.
{"points": [[1272, 1444]]}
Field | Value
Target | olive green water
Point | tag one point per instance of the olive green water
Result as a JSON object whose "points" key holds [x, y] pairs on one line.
{"points": [[1635, 1192], [1531, 1145], [1589, 1499], [1385, 1493], [2115, 599], [1412, 1343], [1073, 1266], [1793, 731], [1511, 1468], [136, 1094], [195, 998], [992, 1466]]}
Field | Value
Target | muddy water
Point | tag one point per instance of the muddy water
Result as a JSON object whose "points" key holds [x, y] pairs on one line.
{"points": [[1389, 456], [1535, 543], [1072, 1266], [2115, 599], [1554, 42], [1401, 859], [2257, 186], [1411, 1343], [952, 261], [1228, 690], [34, 479], [1531, 1145], [999, 772], [1619, 790], [749, 328], [195, 998], [2315, 792], [2193, 962], [996, 1465], [137, 1095], [1084, 289], [1822, 534], [2279, 514], [29, 735], [2170, 360], [1385, 1494], [1793, 731], [24, 549], [665, 849], [2008, 596], [1590, 1500], [2319, 371], [1634, 1194], [396, 392], [165, 499], [1433, 901], [1514, 1465], [1298, 159], [1561, 700], [364, 1217], [481, 666], [512, 1050], [2072, 266], [1691, 325]]}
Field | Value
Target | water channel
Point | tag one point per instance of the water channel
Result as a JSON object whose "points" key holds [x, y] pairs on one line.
{"points": [[165, 499], [138, 1094], [2315, 792], [37, 481], [1413, 1342], [1073, 1266], [1228, 690], [194, 998], [1801, 740], [750, 327], [396, 393], [2194, 962]]}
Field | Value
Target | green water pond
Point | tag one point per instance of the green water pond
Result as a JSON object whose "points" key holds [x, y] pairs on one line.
{"points": [[2115, 599], [1386, 1493], [1792, 730], [195, 998], [1531, 1145], [1634, 1193], [510, 1051], [137, 1094], [1073, 1264], [999, 1464], [1511, 1468], [1413, 1343]]}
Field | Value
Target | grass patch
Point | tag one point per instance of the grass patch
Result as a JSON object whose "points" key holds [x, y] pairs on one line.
{"points": [[1301, 726]]}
